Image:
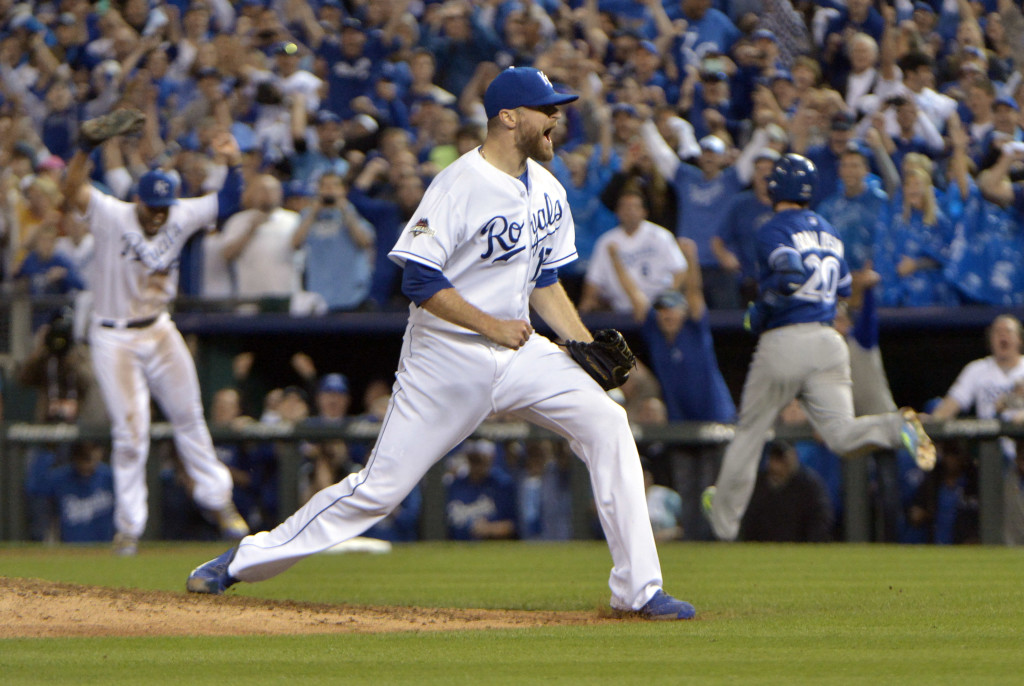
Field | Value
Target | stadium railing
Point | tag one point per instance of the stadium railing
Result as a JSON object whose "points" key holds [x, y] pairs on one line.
{"points": [[17, 437]]}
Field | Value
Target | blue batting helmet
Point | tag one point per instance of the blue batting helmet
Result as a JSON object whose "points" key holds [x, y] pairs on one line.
{"points": [[793, 179]]}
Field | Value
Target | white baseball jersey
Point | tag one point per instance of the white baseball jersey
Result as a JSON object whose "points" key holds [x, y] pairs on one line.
{"points": [[135, 276], [491, 249], [651, 256], [981, 382], [491, 236]]}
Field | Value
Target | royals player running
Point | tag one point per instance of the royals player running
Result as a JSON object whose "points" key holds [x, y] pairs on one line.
{"points": [[483, 247], [802, 271], [136, 349]]}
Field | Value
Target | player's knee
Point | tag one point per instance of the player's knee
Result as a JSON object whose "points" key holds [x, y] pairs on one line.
{"points": [[379, 505], [605, 409], [843, 442], [187, 419], [129, 449], [379, 500]]}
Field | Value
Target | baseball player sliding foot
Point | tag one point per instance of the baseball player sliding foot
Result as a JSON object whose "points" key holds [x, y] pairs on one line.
{"points": [[482, 248], [799, 354], [136, 348]]}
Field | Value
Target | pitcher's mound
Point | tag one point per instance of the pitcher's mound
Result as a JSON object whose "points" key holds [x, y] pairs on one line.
{"points": [[33, 608]]}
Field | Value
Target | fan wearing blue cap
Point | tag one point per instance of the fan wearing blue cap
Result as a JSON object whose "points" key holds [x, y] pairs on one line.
{"points": [[136, 349], [481, 255]]}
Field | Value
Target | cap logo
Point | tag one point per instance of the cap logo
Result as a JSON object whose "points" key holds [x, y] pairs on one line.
{"points": [[544, 78], [161, 187]]}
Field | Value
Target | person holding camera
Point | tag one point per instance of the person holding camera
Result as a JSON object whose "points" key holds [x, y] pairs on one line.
{"points": [[60, 373], [58, 370], [339, 247]]}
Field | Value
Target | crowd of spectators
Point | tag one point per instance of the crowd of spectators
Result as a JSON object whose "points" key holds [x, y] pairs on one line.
{"points": [[346, 109]]}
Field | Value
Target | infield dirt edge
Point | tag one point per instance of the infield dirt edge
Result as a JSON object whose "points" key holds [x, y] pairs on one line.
{"points": [[36, 608]]}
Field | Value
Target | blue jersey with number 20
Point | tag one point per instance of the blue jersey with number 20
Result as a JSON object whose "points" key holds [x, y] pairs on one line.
{"points": [[803, 237]]}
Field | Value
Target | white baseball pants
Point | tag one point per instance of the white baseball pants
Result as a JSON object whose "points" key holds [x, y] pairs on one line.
{"points": [[130, 364], [446, 385], [806, 360]]}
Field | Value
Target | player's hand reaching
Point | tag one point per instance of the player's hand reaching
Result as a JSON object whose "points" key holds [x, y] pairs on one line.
{"points": [[511, 333]]}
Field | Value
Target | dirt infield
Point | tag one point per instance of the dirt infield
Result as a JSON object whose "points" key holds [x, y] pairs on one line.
{"points": [[32, 608]]}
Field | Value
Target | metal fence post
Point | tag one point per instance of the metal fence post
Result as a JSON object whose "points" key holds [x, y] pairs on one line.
{"points": [[433, 522], [856, 506], [990, 491], [288, 464]]}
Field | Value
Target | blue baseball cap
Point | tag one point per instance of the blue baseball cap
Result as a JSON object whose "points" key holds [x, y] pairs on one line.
{"points": [[782, 74], [649, 47], [626, 108], [924, 7], [157, 188], [843, 121], [297, 188], [1008, 102], [766, 34], [325, 116], [522, 87], [334, 383], [669, 298]]}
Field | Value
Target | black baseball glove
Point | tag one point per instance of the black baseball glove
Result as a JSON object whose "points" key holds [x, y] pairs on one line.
{"points": [[94, 132], [608, 359]]}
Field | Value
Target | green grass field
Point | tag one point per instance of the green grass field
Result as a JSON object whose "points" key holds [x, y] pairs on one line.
{"points": [[837, 614]]}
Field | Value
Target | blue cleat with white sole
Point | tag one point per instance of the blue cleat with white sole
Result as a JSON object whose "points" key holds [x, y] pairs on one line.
{"points": [[212, 577], [664, 606]]}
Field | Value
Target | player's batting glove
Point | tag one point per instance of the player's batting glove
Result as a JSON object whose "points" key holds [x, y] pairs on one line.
{"points": [[755, 318], [94, 132], [608, 358]]}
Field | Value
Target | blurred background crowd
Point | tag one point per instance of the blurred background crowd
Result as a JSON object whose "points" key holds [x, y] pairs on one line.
{"points": [[346, 109]]}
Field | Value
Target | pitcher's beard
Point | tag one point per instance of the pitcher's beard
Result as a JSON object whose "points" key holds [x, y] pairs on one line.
{"points": [[534, 144]]}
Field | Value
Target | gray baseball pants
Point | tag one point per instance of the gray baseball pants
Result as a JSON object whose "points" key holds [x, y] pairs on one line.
{"points": [[812, 362]]}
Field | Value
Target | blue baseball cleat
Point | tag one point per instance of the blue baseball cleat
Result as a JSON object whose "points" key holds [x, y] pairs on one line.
{"points": [[212, 577], [664, 606]]}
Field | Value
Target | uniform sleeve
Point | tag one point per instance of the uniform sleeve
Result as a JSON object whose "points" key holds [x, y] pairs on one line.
{"points": [[197, 213], [100, 206], [432, 234], [673, 253], [964, 390], [600, 264]]}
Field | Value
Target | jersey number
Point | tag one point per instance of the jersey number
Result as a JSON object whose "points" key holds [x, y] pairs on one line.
{"points": [[541, 256], [823, 282]]}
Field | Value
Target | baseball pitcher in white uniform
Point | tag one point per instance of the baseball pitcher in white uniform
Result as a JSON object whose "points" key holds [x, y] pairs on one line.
{"points": [[136, 348], [482, 248]]}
